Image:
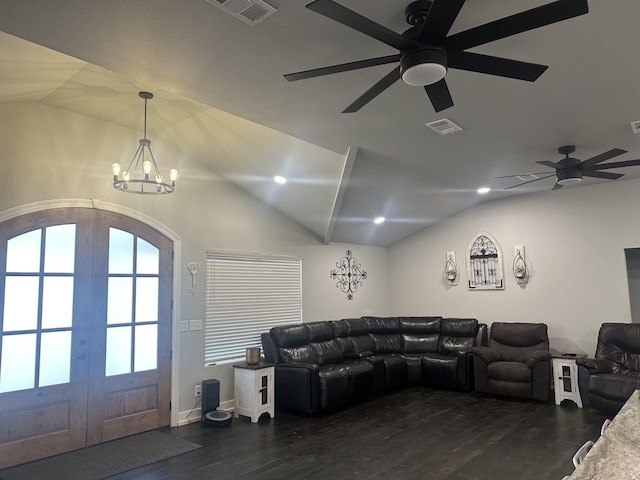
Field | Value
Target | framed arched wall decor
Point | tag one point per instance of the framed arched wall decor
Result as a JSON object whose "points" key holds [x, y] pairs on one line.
{"points": [[484, 264]]}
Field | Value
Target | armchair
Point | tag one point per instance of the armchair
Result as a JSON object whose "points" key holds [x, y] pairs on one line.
{"points": [[516, 363], [614, 373]]}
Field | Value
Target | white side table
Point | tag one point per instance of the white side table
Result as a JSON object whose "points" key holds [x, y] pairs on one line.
{"points": [[254, 390], [565, 378]]}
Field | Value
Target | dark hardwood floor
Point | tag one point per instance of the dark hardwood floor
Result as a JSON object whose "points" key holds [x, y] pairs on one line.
{"points": [[415, 433]]}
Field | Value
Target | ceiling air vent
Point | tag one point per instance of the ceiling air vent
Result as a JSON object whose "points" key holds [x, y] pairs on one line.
{"points": [[444, 126], [635, 126], [249, 11]]}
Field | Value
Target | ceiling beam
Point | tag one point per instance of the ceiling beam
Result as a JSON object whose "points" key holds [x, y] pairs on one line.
{"points": [[349, 160]]}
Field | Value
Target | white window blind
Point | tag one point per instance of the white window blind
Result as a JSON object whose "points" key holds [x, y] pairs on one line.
{"points": [[246, 295]]}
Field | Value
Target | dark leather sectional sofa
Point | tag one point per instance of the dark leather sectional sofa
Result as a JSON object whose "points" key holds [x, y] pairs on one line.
{"points": [[327, 365]]}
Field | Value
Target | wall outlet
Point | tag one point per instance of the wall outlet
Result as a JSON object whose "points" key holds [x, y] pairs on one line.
{"points": [[197, 391], [195, 324], [184, 325]]}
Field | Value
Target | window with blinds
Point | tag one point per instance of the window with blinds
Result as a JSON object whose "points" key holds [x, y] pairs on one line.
{"points": [[246, 295]]}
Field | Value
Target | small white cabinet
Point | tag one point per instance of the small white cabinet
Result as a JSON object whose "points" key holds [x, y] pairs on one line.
{"points": [[253, 385], [565, 378]]}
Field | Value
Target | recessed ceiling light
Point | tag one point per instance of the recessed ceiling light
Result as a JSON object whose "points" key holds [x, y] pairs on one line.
{"points": [[484, 190], [279, 179], [379, 220]]}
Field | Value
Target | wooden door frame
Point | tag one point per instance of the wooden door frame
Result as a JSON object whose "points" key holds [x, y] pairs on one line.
{"points": [[166, 231]]}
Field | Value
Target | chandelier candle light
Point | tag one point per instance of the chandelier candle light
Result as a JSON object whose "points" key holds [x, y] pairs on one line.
{"points": [[143, 176]]}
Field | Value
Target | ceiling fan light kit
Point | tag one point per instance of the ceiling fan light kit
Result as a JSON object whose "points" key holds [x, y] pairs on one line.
{"points": [[423, 67]]}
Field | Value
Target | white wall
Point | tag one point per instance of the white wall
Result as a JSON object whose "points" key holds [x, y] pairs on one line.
{"points": [[574, 240], [49, 154]]}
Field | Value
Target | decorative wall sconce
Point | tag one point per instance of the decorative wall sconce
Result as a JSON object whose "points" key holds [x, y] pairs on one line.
{"points": [[451, 273], [519, 268], [193, 268], [349, 274]]}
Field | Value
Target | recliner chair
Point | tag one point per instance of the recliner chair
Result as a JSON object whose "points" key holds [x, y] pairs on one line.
{"points": [[614, 373], [516, 363]]}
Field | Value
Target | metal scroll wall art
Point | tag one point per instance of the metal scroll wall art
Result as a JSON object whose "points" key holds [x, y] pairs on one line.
{"points": [[349, 274], [484, 264]]}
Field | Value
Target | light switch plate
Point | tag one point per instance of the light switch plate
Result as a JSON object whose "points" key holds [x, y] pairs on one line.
{"points": [[195, 324], [184, 325]]}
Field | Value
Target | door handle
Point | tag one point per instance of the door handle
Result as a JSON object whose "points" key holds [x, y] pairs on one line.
{"points": [[82, 356]]}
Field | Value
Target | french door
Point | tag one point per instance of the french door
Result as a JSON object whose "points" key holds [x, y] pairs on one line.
{"points": [[85, 331]]}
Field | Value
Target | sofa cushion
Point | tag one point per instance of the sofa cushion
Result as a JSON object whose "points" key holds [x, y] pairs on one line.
{"points": [[420, 334], [440, 370], [340, 333], [301, 354], [382, 324], [334, 387], [389, 343], [457, 335], [613, 387], [363, 343], [420, 325], [293, 344], [356, 326], [620, 343], [420, 343], [515, 342], [290, 335], [509, 371], [327, 352], [319, 331], [459, 327]]}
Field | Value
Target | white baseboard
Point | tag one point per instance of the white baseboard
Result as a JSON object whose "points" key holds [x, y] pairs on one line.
{"points": [[195, 415]]}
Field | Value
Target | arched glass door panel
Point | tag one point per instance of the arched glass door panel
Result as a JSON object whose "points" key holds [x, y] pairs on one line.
{"points": [[37, 311]]}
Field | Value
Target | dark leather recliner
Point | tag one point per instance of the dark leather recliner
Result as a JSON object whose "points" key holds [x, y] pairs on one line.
{"points": [[516, 363], [614, 373]]}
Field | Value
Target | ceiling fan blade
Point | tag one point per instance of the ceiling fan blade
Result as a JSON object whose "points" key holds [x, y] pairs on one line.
{"points": [[525, 174], [605, 175], [609, 166], [518, 23], [439, 95], [614, 152], [343, 67], [502, 67], [384, 83], [439, 21], [530, 181], [354, 20], [557, 186], [547, 163]]}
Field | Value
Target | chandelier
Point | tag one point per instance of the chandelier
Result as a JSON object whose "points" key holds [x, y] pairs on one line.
{"points": [[143, 176]]}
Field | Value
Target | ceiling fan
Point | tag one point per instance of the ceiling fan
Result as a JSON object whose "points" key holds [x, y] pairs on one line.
{"points": [[571, 170], [426, 51]]}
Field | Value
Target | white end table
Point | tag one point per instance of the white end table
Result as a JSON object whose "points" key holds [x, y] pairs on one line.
{"points": [[565, 378], [254, 390]]}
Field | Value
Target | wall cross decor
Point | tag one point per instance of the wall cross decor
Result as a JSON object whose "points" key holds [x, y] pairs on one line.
{"points": [[349, 274]]}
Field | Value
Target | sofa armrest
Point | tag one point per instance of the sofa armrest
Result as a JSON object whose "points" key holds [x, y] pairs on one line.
{"points": [[488, 355], [595, 365], [537, 357]]}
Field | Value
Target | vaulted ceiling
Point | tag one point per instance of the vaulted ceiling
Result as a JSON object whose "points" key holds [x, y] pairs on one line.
{"points": [[221, 99]]}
